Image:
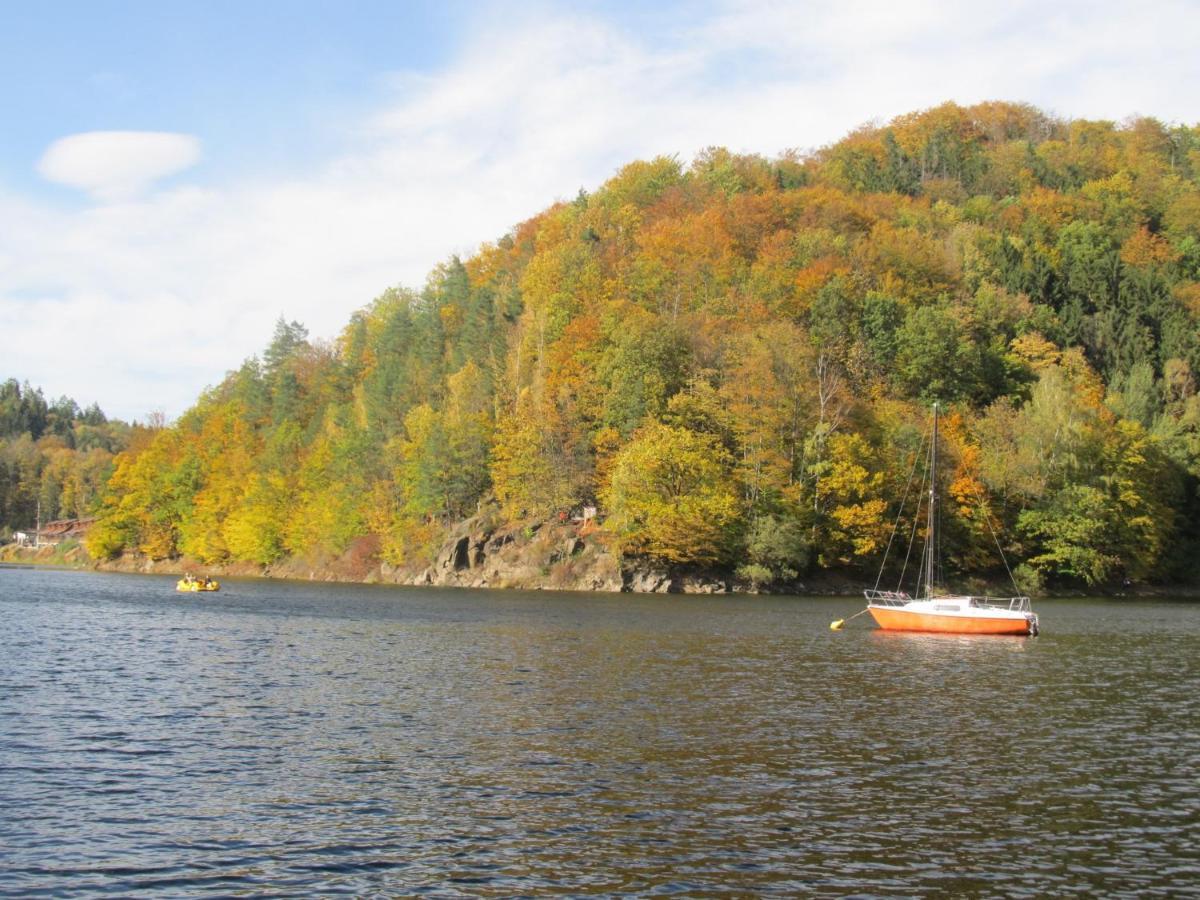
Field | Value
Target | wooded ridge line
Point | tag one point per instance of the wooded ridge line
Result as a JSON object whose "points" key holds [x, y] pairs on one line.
{"points": [[732, 362]]}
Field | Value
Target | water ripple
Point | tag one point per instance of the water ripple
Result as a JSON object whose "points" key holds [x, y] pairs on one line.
{"points": [[286, 739]]}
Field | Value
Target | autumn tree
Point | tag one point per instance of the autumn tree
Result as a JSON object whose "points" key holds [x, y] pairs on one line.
{"points": [[672, 497]]}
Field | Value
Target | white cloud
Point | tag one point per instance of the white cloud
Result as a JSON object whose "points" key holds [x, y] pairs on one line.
{"points": [[115, 165], [145, 298]]}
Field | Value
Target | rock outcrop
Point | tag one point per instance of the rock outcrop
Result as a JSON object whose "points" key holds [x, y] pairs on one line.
{"points": [[564, 555], [639, 578], [534, 555]]}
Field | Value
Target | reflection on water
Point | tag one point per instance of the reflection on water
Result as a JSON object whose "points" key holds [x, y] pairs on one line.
{"points": [[938, 643], [294, 738]]}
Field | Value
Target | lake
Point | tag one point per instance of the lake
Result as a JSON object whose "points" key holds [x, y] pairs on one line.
{"points": [[284, 738]]}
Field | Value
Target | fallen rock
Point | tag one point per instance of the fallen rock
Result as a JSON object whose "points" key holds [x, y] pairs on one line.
{"points": [[646, 581]]}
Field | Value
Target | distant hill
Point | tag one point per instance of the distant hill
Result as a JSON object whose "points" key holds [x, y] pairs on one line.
{"points": [[733, 360], [54, 456]]}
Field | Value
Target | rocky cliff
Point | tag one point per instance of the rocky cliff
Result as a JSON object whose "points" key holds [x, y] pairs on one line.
{"points": [[553, 555], [565, 555]]}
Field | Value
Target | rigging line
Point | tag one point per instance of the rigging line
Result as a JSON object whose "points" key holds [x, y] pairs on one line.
{"points": [[912, 538], [935, 569], [900, 511], [935, 508], [929, 554], [937, 547], [995, 537]]}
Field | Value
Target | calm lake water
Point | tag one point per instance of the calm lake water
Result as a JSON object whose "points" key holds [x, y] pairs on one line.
{"points": [[297, 739]]}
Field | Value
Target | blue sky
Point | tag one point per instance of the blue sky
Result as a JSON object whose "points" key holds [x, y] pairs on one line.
{"points": [[175, 176], [265, 83]]}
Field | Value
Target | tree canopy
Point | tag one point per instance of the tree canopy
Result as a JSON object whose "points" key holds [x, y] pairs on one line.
{"points": [[734, 360], [55, 458]]}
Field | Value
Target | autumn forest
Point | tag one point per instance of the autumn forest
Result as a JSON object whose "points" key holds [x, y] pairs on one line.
{"points": [[733, 360]]}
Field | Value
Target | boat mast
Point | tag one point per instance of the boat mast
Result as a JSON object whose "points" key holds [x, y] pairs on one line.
{"points": [[931, 538]]}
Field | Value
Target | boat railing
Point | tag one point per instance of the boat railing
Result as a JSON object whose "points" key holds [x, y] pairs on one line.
{"points": [[1013, 604], [900, 598], [887, 598]]}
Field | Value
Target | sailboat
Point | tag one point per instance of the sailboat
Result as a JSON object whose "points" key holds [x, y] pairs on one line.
{"points": [[935, 609]]}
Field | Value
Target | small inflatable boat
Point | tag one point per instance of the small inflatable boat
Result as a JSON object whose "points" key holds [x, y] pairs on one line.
{"points": [[197, 584]]}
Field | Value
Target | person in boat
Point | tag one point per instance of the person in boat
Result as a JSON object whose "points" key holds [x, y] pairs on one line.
{"points": [[207, 582]]}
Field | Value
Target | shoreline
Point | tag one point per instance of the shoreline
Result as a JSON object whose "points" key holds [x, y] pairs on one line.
{"points": [[632, 581]]}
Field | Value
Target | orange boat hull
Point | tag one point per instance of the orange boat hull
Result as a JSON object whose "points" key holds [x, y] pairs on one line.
{"points": [[906, 620]]}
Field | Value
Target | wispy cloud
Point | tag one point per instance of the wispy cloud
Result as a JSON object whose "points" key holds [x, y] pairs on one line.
{"points": [[149, 294], [114, 165]]}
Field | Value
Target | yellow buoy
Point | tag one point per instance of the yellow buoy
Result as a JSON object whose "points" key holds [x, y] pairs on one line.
{"points": [[836, 624]]}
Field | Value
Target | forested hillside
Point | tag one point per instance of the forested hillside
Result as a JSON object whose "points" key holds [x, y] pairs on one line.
{"points": [[734, 360], [53, 455]]}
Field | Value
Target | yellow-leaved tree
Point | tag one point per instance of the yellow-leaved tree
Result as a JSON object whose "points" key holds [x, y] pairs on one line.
{"points": [[849, 487], [672, 496]]}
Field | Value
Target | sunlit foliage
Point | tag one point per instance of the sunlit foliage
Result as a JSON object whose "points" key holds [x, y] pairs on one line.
{"points": [[54, 457], [734, 360]]}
